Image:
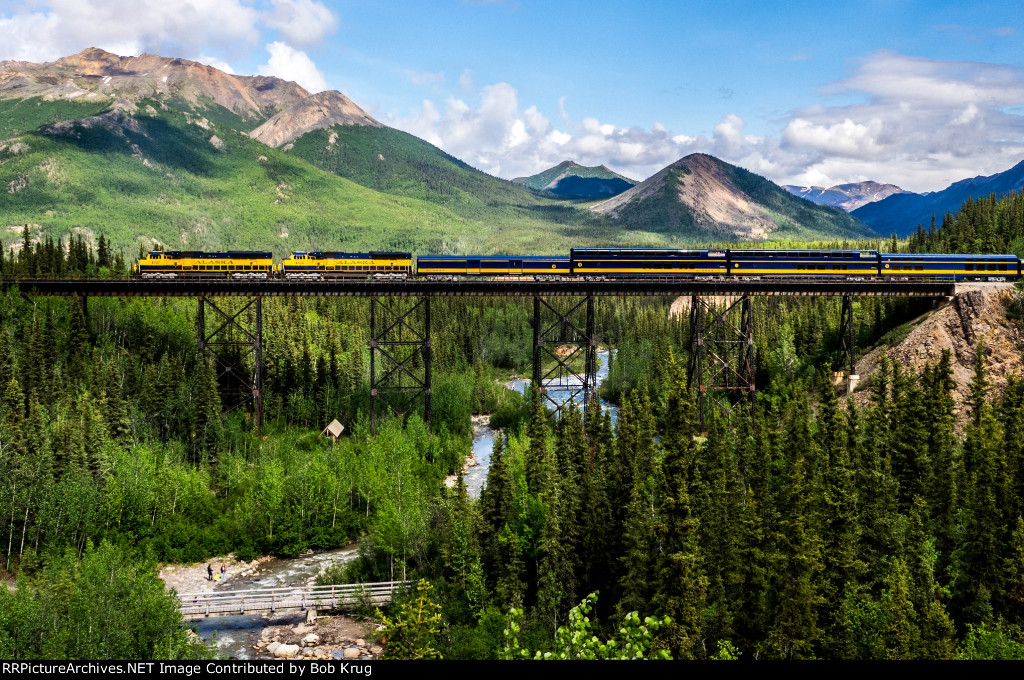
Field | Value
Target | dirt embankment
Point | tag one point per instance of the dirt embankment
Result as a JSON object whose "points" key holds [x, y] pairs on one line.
{"points": [[958, 324]]}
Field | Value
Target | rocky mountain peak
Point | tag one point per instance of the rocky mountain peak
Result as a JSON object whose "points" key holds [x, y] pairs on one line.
{"points": [[317, 111], [700, 195], [848, 196], [95, 74]]}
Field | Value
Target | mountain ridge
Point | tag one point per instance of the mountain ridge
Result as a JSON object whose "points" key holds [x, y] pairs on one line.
{"points": [[706, 197], [848, 196], [182, 151], [569, 179], [901, 213]]}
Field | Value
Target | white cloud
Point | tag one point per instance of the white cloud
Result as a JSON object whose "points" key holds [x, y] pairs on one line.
{"points": [[466, 81], [291, 64], [426, 78], [919, 123], [49, 29], [495, 136], [301, 22], [215, 62]]}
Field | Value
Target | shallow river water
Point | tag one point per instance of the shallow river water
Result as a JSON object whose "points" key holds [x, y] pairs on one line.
{"points": [[483, 435]]}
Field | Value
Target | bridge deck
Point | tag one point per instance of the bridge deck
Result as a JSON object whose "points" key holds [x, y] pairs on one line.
{"points": [[509, 288]]}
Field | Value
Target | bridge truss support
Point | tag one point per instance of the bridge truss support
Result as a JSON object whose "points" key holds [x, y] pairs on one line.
{"points": [[846, 368], [721, 361], [399, 355], [236, 344], [564, 337]]}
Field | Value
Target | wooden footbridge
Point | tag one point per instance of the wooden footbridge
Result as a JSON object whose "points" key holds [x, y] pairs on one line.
{"points": [[234, 602]]}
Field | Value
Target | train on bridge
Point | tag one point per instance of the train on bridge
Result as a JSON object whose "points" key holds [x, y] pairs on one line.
{"points": [[600, 264]]}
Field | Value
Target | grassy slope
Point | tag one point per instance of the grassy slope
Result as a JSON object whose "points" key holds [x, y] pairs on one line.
{"points": [[800, 219], [18, 116]]}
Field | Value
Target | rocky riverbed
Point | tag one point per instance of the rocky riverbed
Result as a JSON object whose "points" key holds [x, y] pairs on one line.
{"points": [[334, 637]]}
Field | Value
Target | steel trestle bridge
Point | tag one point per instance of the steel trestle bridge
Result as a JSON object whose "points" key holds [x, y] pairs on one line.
{"points": [[721, 362], [499, 288]]}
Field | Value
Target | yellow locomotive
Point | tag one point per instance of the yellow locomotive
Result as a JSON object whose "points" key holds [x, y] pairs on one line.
{"points": [[174, 264], [336, 265]]}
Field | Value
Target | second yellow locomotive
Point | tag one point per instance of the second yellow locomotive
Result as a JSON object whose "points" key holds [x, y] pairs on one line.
{"points": [[337, 265]]}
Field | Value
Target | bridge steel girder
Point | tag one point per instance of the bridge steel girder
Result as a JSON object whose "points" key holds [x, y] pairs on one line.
{"points": [[721, 361], [847, 353], [400, 354], [573, 327], [237, 336]]}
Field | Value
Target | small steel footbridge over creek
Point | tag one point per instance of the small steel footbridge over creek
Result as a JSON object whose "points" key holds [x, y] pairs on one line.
{"points": [[272, 600]]}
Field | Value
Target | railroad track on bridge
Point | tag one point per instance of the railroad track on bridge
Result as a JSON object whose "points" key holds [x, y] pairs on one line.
{"points": [[234, 602]]}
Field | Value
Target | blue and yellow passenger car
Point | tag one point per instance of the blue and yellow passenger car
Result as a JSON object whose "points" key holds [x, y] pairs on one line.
{"points": [[767, 263], [492, 265], [647, 262], [955, 267]]}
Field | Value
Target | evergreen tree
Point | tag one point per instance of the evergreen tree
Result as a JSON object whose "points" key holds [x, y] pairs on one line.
{"points": [[682, 585], [795, 628], [936, 632], [979, 586], [206, 426], [636, 444], [839, 521]]}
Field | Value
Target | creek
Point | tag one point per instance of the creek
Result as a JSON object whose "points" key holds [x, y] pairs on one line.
{"points": [[236, 635], [483, 435]]}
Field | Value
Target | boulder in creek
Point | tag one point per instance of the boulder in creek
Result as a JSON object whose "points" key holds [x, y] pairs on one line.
{"points": [[286, 651]]}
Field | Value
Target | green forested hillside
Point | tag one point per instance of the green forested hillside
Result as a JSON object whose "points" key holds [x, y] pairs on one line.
{"points": [[994, 224], [18, 116], [396, 162], [159, 176], [572, 180]]}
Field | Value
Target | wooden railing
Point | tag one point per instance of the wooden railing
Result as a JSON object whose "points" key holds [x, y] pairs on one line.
{"points": [[298, 597]]}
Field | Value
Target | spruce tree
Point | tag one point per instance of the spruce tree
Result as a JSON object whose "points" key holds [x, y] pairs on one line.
{"points": [[681, 585], [979, 587], [795, 629], [936, 631], [876, 488], [207, 425], [839, 522]]}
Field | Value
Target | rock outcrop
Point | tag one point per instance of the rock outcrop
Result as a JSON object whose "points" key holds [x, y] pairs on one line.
{"points": [[314, 113], [976, 312]]}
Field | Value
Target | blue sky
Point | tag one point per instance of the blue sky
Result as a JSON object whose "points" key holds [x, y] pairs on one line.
{"points": [[916, 93]]}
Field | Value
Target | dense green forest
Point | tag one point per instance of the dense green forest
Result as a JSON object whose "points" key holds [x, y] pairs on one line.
{"points": [[815, 529], [994, 224]]}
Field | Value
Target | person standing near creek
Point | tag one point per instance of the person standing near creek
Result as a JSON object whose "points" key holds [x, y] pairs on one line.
{"points": [[223, 572], [209, 572]]}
